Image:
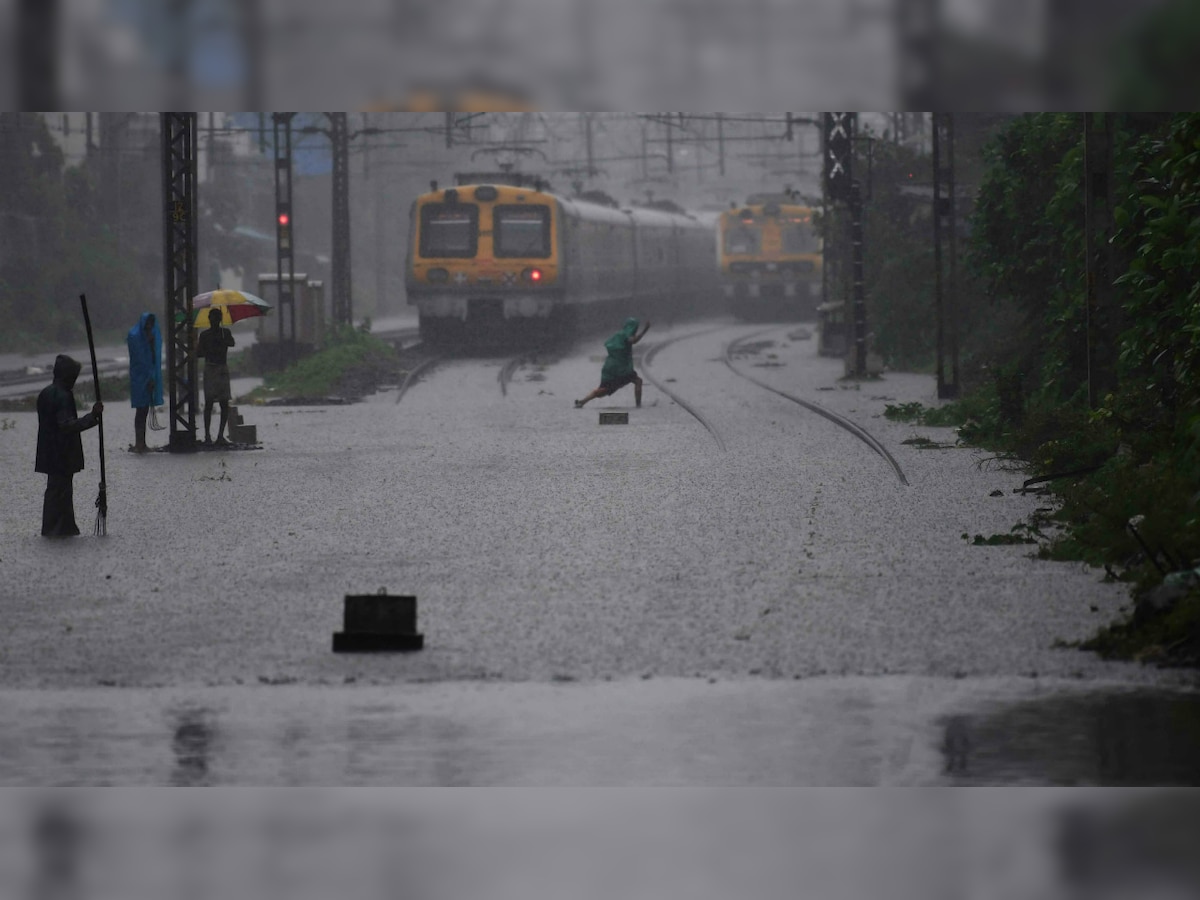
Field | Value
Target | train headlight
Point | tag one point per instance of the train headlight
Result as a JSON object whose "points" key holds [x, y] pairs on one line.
{"points": [[486, 193], [533, 274], [437, 276]]}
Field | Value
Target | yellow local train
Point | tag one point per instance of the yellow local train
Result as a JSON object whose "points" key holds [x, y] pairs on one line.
{"points": [[770, 256], [502, 263]]}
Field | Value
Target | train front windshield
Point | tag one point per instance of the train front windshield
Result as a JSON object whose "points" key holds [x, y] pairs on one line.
{"points": [[449, 230], [800, 239], [522, 231], [743, 239]]}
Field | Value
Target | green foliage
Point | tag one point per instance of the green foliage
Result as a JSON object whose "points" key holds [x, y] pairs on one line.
{"points": [[1002, 540], [904, 412], [65, 251], [1172, 637], [1160, 225], [1138, 452], [350, 357]]}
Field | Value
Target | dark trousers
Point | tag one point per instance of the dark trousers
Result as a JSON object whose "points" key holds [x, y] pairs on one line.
{"points": [[139, 425], [58, 508]]}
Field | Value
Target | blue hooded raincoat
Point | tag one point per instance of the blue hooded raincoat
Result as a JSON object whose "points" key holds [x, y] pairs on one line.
{"points": [[145, 364]]}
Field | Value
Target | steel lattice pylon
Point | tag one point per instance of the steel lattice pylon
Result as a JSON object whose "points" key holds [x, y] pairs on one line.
{"points": [[179, 259], [342, 305]]}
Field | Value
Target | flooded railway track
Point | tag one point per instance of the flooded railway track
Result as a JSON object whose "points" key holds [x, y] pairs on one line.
{"points": [[841, 421], [727, 357], [425, 362], [648, 360]]}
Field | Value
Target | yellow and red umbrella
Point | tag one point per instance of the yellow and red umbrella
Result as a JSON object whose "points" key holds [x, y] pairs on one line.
{"points": [[234, 305]]}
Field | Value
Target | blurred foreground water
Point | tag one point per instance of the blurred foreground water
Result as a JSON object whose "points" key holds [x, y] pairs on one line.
{"points": [[538, 844]]}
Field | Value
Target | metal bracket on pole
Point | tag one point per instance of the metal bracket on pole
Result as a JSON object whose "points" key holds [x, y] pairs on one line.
{"points": [[179, 258]]}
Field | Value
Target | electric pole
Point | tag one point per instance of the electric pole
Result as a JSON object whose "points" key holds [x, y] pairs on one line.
{"points": [[179, 162], [343, 312], [945, 231], [284, 237], [838, 132]]}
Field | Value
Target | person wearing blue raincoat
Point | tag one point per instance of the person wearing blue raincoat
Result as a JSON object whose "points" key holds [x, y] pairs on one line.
{"points": [[618, 368], [145, 374]]}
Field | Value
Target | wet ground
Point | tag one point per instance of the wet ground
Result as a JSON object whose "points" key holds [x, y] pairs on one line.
{"points": [[624, 604], [888, 731]]}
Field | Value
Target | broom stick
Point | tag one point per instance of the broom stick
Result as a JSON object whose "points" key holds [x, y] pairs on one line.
{"points": [[102, 497]]}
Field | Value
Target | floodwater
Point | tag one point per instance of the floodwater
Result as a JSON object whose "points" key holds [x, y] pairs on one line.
{"points": [[601, 606], [700, 732]]}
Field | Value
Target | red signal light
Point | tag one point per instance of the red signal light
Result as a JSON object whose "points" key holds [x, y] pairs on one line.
{"points": [[284, 218]]}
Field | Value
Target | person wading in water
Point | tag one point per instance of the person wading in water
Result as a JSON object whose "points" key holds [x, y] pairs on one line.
{"points": [[618, 368], [59, 447]]}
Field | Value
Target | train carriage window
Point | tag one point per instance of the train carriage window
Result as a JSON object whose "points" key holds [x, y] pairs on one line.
{"points": [[522, 231], [800, 239], [741, 239], [449, 229]]}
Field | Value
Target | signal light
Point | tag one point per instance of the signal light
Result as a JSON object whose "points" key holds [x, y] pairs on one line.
{"points": [[284, 219]]}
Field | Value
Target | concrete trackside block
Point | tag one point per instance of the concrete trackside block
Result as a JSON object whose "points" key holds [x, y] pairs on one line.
{"points": [[378, 623], [614, 418], [243, 434], [239, 431]]}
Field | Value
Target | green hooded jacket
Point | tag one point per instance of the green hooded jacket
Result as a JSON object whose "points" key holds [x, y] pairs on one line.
{"points": [[620, 352]]}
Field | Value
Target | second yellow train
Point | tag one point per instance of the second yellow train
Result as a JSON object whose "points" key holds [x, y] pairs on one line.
{"points": [[770, 259]]}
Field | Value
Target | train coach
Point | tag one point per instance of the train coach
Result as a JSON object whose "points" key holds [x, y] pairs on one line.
{"points": [[503, 263], [771, 259]]}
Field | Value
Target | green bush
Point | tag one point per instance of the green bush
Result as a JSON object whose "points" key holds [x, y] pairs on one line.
{"points": [[350, 356]]}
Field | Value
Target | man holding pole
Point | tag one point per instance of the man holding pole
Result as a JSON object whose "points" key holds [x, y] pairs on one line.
{"points": [[59, 447]]}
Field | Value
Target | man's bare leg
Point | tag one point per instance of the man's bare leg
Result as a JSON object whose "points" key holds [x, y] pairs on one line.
{"points": [[224, 420], [598, 392]]}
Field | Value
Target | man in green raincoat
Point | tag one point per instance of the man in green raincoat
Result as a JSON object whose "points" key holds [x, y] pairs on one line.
{"points": [[618, 368]]}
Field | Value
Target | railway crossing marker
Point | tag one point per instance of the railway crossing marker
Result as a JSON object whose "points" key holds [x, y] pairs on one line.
{"points": [[614, 418], [375, 623]]}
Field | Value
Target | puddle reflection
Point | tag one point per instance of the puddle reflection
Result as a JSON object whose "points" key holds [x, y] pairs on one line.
{"points": [[1116, 739], [192, 742]]}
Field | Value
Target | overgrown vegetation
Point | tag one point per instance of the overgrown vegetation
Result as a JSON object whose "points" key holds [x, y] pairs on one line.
{"points": [[59, 242], [1103, 403], [353, 363]]}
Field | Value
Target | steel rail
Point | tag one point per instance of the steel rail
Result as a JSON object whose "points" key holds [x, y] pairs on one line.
{"points": [[857, 430], [647, 360]]}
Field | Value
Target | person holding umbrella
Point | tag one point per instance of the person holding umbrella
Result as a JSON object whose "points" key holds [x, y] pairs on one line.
{"points": [[213, 345], [145, 374], [59, 447]]}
